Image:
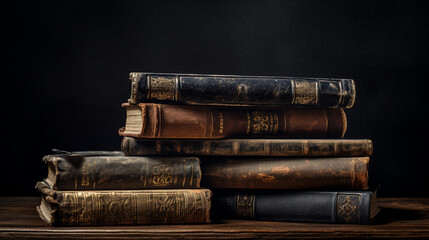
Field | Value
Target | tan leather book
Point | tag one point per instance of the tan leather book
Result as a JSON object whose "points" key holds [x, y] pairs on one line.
{"points": [[348, 173], [123, 207], [149, 120]]}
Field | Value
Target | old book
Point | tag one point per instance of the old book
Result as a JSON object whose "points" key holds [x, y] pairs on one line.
{"points": [[248, 147], [340, 173], [356, 207], [111, 170], [124, 207], [204, 89], [148, 120]]}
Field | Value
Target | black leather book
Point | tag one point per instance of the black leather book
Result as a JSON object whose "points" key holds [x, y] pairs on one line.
{"points": [[206, 89], [355, 207]]}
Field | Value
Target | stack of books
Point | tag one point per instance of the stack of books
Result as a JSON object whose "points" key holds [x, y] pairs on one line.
{"points": [[269, 148]]}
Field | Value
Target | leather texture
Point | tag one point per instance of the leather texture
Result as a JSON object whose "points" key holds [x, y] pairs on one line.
{"points": [[208, 122], [124, 207], [112, 170], [348, 173], [296, 206], [206, 89], [248, 147]]}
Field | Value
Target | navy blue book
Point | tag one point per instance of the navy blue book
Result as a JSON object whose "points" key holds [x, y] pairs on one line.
{"points": [[355, 207], [238, 90]]}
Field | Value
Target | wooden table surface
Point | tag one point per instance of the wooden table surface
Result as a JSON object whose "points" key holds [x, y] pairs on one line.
{"points": [[400, 218]]}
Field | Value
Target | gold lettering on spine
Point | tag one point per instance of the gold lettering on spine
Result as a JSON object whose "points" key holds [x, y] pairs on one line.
{"points": [[306, 92], [163, 88], [220, 122], [85, 175], [245, 203]]}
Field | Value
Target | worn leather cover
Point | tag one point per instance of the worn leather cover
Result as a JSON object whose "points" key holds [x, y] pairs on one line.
{"points": [[112, 170], [248, 147], [124, 207], [181, 121], [348, 173], [204, 89], [297, 206]]}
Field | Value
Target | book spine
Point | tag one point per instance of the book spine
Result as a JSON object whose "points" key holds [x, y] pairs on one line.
{"points": [[179, 121], [82, 208], [120, 172], [248, 147], [285, 173], [241, 90], [297, 206]]}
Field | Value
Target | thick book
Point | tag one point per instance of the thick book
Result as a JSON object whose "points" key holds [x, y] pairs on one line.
{"points": [[340, 173], [248, 147], [151, 120], [355, 207], [123, 207], [205, 89], [91, 170]]}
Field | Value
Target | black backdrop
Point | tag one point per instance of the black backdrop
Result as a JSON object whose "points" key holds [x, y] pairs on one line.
{"points": [[67, 65]]}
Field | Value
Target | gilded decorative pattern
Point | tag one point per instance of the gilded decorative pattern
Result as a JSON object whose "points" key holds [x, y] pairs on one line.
{"points": [[165, 207], [263, 122], [118, 210], [138, 207], [162, 88], [306, 92], [162, 175], [348, 208], [245, 204]]}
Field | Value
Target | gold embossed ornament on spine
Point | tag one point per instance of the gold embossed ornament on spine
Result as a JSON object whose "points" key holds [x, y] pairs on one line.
{"points": [[348, 208], [124, 207], [306, 92], [245, 206], [262, 122], [162, 88]]}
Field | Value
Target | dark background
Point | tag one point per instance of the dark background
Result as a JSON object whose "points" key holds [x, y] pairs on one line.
{"points": [[67, 65]]}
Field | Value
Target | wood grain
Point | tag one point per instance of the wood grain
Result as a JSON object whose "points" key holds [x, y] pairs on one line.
{"points": [[400, 218]]}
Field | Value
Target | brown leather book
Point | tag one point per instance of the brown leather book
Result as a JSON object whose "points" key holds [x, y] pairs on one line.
{"points": [[123, 207], [248, 147], [349, 173], [149, 120]]}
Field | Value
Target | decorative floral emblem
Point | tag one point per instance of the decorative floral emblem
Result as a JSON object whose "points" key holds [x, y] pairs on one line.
{"points": [[162, 175], [262, 122], [347, 209], [118, 210], [162, 88]]}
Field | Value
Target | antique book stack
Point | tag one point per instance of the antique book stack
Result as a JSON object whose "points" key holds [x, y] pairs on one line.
{"points": [[271, 148]]}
